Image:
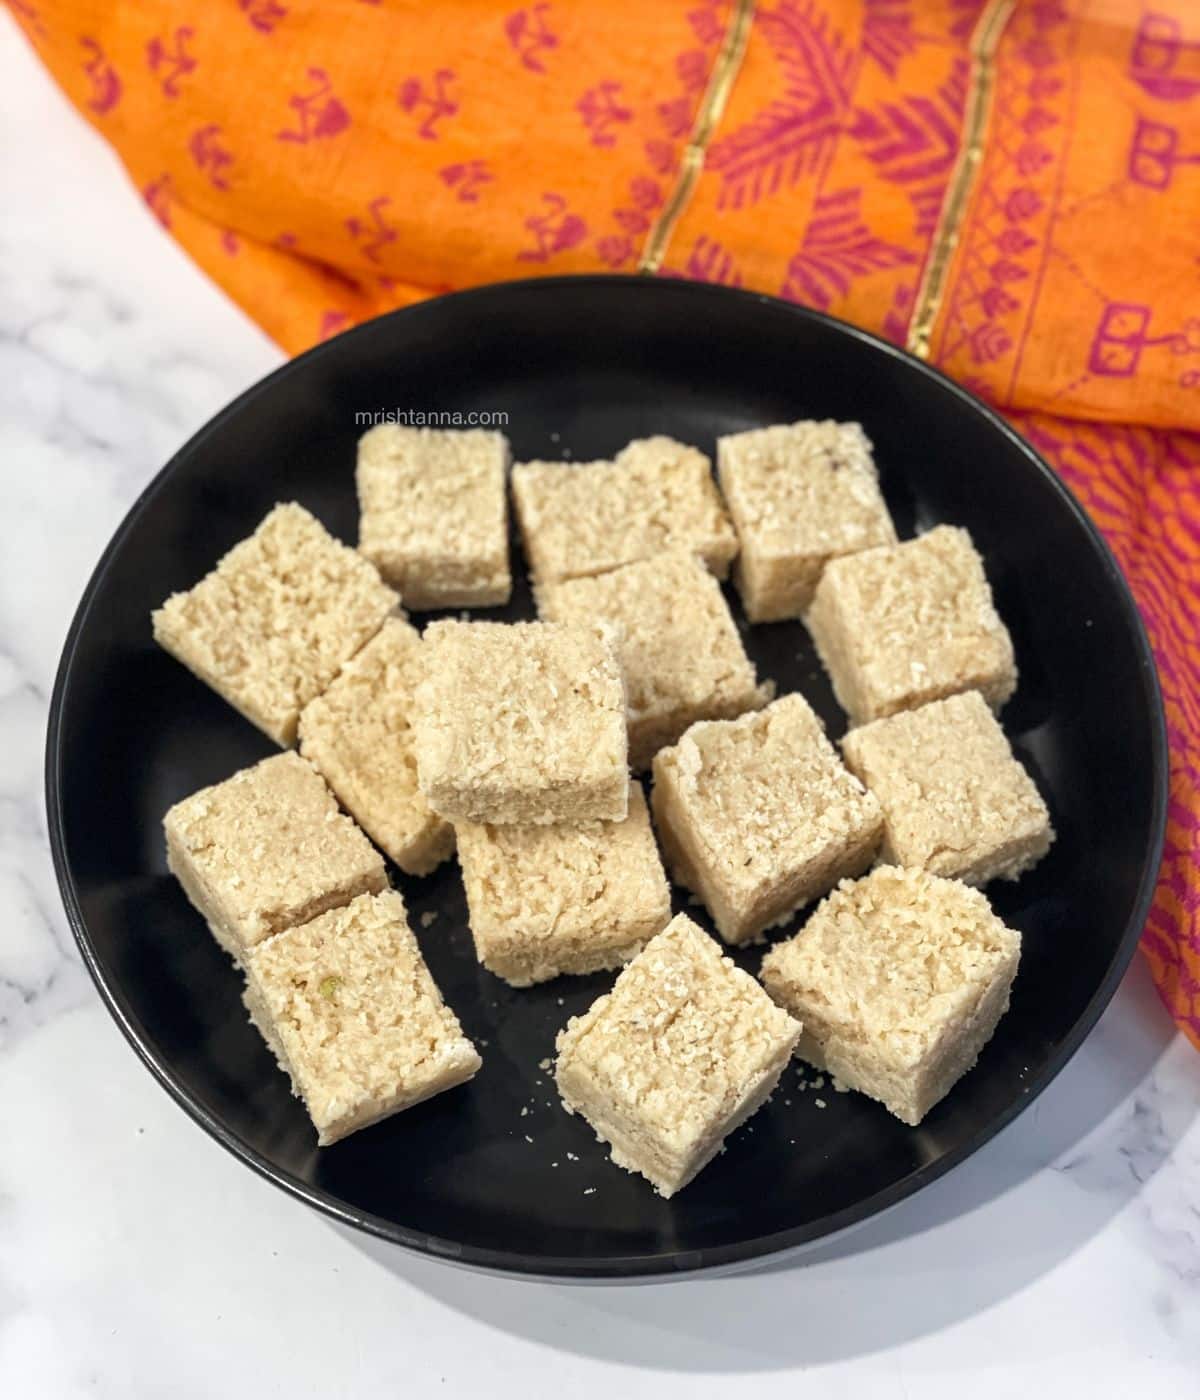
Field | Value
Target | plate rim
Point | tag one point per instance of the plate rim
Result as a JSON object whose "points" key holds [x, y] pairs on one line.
{"points": [[677, 1263]]}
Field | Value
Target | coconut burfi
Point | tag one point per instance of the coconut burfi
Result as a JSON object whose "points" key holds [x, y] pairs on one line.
{"points": [[358, 736], [267, 849], [547, 900], [900, 979], [758, 816], [955, 801], [678, 645], [274, 622], [800, 494], [579, 519], [353, 1016], [434, 514], [521, 723], [683, 1050], [899, 626]]}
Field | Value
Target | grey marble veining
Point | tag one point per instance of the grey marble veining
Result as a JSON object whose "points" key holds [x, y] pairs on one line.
{"points": [[138, 1259]]}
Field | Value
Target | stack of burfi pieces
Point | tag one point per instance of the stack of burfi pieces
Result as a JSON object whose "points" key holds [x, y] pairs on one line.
{"points": [[303, 636], [519, 745], [526, 732]]}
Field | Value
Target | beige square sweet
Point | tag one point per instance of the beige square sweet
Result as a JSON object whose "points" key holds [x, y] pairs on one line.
{"points": [[900, 979], [955, 801], [547, 900], [267, 849], [897, 627], [678, 645], [354, 1018], [521, 723], [758, 816], [800, 495], [434, 514], [274, 622], [584, 518], [681, 1052], [359, 737]]}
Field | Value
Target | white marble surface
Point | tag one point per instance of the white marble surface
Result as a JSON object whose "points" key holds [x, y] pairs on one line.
{"points": [[138, 1260]]}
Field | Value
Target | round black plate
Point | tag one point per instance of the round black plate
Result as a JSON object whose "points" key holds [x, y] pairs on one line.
{"points": [[582, 365]]}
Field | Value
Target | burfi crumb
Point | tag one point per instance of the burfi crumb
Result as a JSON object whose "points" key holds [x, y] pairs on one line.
{"points": [[434, 514], [384, 1042], [680, 651], [586, 518], [955, 800], [904, 1038], [682, 1051], [899, 626], [358, 735], [521, 723], [267, 849], [758, 816], [549, 900], [800, 495], [277, 618], [428, 918]]}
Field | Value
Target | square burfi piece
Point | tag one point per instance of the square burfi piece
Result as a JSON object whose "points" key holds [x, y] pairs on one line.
{"points": [[799, 495], [955, 801], [899, 979], [274, 622], [267, 849], [758, 816], [682, 1051], [677, 641], [359, 737], [584, 518], [434, 514], [521, 723], [899, 626], [354, 1018], [547, 900]]}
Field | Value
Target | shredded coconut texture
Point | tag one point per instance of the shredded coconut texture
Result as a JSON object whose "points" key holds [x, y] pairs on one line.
{"points": [[900, 979], [350, 1008], [521, 723], [955, 800], [359, 736], [799, 495], [266, 849], [678, 645], [434, 514], [273, 623], [680, 1052], [897, 627], [546, 900], [585, 518], [758, 815]]}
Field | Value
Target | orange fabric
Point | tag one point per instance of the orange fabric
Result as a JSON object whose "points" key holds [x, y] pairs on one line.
{"points": [[328, 161]]}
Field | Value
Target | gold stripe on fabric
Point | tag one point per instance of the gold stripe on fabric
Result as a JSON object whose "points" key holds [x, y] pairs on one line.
{"points": [[984, 43], [720, 84]]}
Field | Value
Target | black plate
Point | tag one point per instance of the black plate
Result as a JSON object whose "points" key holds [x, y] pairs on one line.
{"points": [[585, 364]]}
